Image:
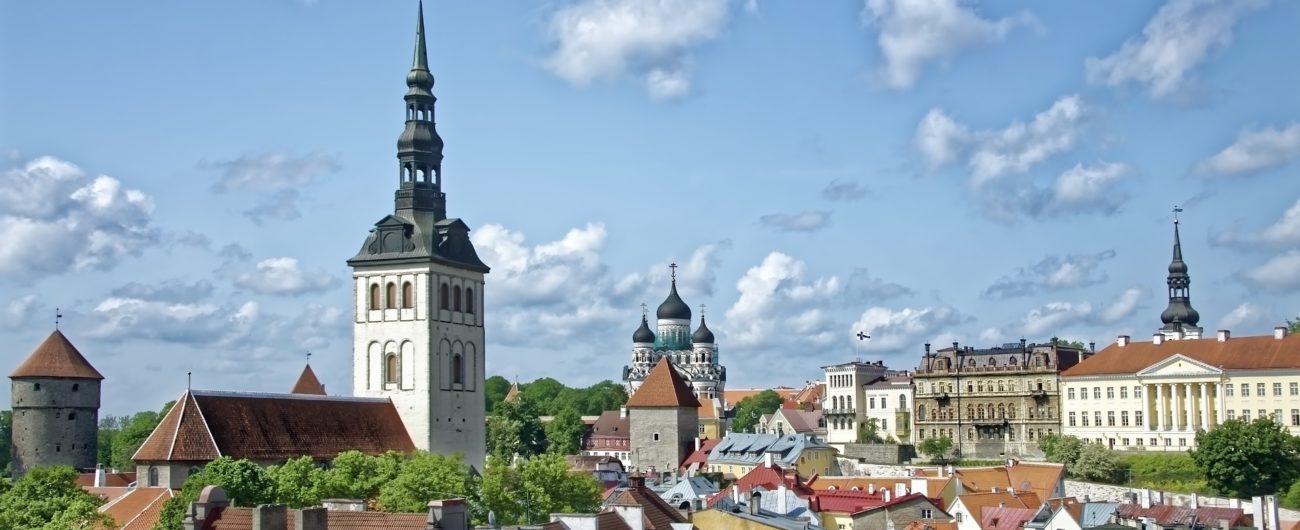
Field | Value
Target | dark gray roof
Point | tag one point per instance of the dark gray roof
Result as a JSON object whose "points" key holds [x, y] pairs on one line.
{"points": [[394, 239], [673, 306], [643, 333], [702, 335], [1179, 313]]}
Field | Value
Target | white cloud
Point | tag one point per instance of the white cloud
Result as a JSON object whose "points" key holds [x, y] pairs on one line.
{"points": [[810, 221], [54, 218], [1285, 232], [1280, 273], [992, 154], [1054, 317], [940, 138], [1052, 273], [914, 33], [276, 177], [19, 311], [281, 276], [1122, 307], [1255, 150], [845, 190], [1090, 188], [609, 39], [898, 330], [1178, 38], [1248, 315]]}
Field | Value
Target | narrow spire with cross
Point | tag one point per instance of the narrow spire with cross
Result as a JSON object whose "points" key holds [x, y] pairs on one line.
{"points": [[644, 310], [58, 315], [1177, 210], [673, 266]]}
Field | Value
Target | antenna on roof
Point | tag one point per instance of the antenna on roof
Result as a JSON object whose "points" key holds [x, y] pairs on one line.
{"points": [[58, 315], [189, 380]]}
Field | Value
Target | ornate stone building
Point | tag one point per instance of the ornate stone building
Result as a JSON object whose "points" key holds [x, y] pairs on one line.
{"points": [[418, 292], [55, 400], [995, 402]]}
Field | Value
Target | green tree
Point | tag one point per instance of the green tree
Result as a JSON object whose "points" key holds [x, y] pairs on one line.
{"points": [[936, 448], [1248, 459], [245, 483], [499, 489], [1061, 449], [295, 482], [133, 432], [565, 432], [425, 477], [1098, 463], [537, 487], [354, 475], [48, 498], [1292, 498], [1076, 344], [514, 429], [869, 431], [495, 390], [542, 394], [6, 439], [751, 409], [1293, 326]]}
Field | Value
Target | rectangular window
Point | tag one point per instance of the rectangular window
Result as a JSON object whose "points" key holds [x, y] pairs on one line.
{"points": [[872, 405], [1070, 392], [1137, 418], [1227, 390], [1085, 418], [1259, 390], [1295, 416], [1245, 415], [1139, 442], [1245, 390], [1295, 389], [1072, 419], [927, 513], [1126, 442], [1110, 418], [1153, 442], [1277, 389], [1110, 392], [1182, 442], [1232, 414], [1083, 393], [1123, 393], [1137, 391], [1123, 420], [884, 424], [1262, 414], [1168, 442], [1277, 416], [1096, 415], [1096, 392]]}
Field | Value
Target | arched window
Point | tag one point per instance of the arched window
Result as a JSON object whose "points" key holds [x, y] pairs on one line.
{"points": [[455, 298], [375, 303], [1011, 412], [1002, 411], [391, 302], [392, 368], [458, 369], [444, 297], [902, 402], [469, 300], [408, 295], [153, 477]]}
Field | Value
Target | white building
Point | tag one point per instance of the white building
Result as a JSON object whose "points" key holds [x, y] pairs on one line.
{"points": [[843, 404], [888, 401]]}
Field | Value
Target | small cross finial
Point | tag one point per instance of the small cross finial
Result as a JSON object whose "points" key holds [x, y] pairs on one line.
{"points": [[644, 311], [702, 306], [673, 266], [1177, 210], [58, 315]]}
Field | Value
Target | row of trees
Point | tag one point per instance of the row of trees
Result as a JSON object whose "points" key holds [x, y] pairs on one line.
{"points": [[550, 397], [121, 436], [750, 411], [520, 493], [515, 428], [48, 498]]}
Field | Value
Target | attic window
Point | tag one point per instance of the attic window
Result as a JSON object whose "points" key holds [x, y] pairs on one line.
{"points": [[72, 416]]}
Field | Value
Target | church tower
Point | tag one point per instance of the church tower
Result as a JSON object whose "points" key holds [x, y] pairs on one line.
{"points": [[55, 399], [418, 331], [694, 355], [1179, 318]]}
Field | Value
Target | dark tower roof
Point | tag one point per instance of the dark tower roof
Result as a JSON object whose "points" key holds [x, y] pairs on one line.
{"points": [[1179, 313], [673, 306], [643, 333], [56, 357], [308, 383], [702, 335]]}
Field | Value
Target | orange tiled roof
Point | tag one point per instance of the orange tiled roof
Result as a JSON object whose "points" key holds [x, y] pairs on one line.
{"points": [[663, 387], [56, 357], [931, 525], [658, 514], [308, 383], [137, 510], [111, 480], [231, 518], [1236, 353], [998, 518], [977, 502]]}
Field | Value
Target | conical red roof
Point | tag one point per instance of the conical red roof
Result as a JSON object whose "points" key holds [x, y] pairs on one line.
{"points": [[56, 357], [308, 383], [663, 387]]}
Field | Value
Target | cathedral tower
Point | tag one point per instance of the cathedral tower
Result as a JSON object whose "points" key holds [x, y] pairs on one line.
{"points": [[55, 399], [1179, 318], [694, 355], [418, 331]]}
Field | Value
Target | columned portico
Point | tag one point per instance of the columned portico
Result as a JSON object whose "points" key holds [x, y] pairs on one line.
{"points": [[1160, 419], [1184, 406]]}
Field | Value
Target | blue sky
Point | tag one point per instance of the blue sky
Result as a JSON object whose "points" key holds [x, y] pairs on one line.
{"points": [[187, 180]]}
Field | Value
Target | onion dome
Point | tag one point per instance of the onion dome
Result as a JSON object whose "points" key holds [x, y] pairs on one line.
{"points": [[673, 306], [702, 335], [643, 333], [1179, 313]]}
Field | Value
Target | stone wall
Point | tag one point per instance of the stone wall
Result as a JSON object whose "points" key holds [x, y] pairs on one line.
{"points": [[1112, 493], [55, 422], [851, 467], [893, 454]]}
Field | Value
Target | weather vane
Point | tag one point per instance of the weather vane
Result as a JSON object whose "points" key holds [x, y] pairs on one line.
{"points": [[1177, 210], [308, 357], [58, 315]]}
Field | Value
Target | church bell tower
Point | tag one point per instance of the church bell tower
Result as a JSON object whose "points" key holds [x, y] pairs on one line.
{"points": [[418, 290]]}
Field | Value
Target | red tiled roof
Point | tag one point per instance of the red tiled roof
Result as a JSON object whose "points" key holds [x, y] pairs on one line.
{"points": [[997, 518], [205, 425], [1172, 515], [977, 502], [308, 383], [137, 510], [658, 514], [111, 480], [56, 357], [701, 456], [231, 518], [1236, 353], [849, 501], [771, 478], [611, 423], [663, 387]]}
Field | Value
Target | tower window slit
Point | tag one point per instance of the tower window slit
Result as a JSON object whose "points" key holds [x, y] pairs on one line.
{"points": [[455, 298], [408, 295], [391, 303]]}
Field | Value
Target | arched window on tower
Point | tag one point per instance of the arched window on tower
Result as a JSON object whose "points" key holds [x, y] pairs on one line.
{"points": [[391, 302], [458, 369], [153, 477], [375, 303], [392, 369], [444, 297], [455, 298], [408, 295], [469, 300]]}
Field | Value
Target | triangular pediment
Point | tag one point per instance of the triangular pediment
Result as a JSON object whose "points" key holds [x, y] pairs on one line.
{"points": [[1179, 365], [391, 221]]}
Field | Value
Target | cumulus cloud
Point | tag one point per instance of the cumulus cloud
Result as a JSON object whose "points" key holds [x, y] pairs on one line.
{"points": [[1054, 317], [809, 221], [1254, 151], [1082, 188], [276, 178], [1285, 232], [845, 190], [914, 34], [166, 290], [902, 329], [282, 276], [991, 154], [1181, 35], [1052, 273], [862, 286], [1059, 318], [609, 39], [19, 312], [1122, 307], [56, 218], [1248, 315], [1279, 273]]}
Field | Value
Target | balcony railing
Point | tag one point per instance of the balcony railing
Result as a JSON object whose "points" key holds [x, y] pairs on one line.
{"points": [[841, 410]]}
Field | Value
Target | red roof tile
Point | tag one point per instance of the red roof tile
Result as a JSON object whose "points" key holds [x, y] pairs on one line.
{"points": [[231, 518], [137, 510], [111, 480], [658, 514], [701, 456], [56, 357], [308, 383], [663, 387], [1236, 353], [998, 518]]}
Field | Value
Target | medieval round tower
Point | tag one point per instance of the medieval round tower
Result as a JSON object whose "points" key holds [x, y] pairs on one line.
{"points": [[55, 401]]}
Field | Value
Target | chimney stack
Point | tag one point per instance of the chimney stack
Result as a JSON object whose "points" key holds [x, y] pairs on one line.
{"points": [[622, 413], [210, 499], [1157, 339], [448, 514], [1279, 332], [1224, 335], [1122, 341], [100, 480], [927, 348], [270, 517], [313, 518], [767, 459]]}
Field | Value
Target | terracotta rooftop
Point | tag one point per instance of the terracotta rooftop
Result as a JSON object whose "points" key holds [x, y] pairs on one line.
{"points": [[606, 520], [770, 478], [977, 502], [934, 486], [204, 425], [611, 423], [512, 395], [1236, 353], [308, 383], [231, 518], [701, 456], [137, 510], [663, 387], [1038, 477], [657, 513], [56, 357], [111, 480]]}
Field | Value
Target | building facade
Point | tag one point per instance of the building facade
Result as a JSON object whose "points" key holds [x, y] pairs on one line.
{"points": [[55, 402], [995, 402], [418, 292], [844, 403], [888, 403], [662, 420]]}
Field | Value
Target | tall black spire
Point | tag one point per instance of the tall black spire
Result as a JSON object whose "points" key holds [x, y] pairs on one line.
{"points": [[419, 148], [1179, 316]]}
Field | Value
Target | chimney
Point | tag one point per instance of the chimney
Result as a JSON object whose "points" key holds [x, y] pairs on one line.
{"points": [[755, 499], [767, 459], [900, 490], [1087, 499], [927, 348], [1002, 505], [871, 489], [1011, 490], [1279, 332], [735, 494], [99, 476], [1196, 501], [1122, 341], [270, 517], [1157, 339], [1092, 347], [1257, 509], [636, 481], [782, 504], [697, 443], [884, 495], [1272, 515], [954, 346], [1224, 335], [447, 514], [622, 413], [314, 518], [1146, 497]]}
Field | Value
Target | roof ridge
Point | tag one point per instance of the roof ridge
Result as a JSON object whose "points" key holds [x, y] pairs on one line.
{"points": [[279, 395], [207, 428]]}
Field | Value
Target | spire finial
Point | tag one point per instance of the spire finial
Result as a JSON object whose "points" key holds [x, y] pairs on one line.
{"points": [[308, 357], [421, 59], [673, 266], [644, 311], [702, 306], [58, 315]]}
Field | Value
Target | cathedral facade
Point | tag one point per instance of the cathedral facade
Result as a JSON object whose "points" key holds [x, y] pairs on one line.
{"points": [[418, 291], [693, 354]]}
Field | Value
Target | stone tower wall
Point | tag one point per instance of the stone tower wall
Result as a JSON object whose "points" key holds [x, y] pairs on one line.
{"points": [[676, 427], [56, 422]]}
